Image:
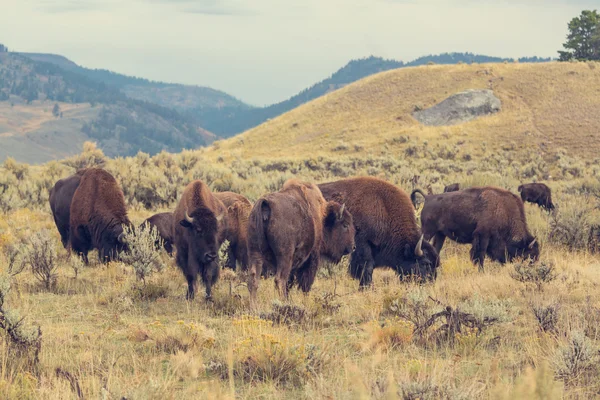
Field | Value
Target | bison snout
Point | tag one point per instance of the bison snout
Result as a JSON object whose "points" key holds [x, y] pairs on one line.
{"points": [[210, 257]]}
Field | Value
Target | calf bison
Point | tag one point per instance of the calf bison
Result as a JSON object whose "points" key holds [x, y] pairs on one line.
{"points": [[537, 193], [387, 233], [491, 219], [98, 213], [454, 187], [60, 199], [198, 231], [289, 231], [163, 223], [238, 210]]}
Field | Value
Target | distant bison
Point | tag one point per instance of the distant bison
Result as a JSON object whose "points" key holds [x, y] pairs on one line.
{"points": [[387, 233], [454, 187], [163, 223], [537, 193], [98, 213], [238, 211], [198, 231], [289, 231], [60, 199], [491, 219]]}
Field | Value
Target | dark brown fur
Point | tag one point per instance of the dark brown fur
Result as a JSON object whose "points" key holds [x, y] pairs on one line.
{"points": [[289, 231], [98, 213], [537, 193], [455, 187], [60, 199], [198, 242], [491, 219], [238, 211], [387, 232], [163, 223]]}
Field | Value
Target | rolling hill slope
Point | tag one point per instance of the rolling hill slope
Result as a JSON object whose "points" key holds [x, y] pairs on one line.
{"points": [[545, 107]]}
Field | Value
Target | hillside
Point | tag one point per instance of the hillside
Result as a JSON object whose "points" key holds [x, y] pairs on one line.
{"points": [[545, 107], [121, 125]]}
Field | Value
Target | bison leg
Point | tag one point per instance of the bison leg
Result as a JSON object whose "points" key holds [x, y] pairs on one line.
{"points": [[231, 259], [192, 280], [254, 273], [210, 274], [438, 242], [282, 274], [362, 264], [479, 249], [81, 243], [190, 272]]}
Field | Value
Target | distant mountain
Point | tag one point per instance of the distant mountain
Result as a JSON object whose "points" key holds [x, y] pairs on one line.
{"points": [[121, 125]]}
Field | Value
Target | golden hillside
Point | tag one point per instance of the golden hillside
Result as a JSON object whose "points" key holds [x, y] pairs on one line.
{"points": [[544, 106]]}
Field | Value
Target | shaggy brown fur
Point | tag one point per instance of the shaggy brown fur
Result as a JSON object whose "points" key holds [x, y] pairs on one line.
{"points": [[98, 213], [387, 233], [289, 231], [60, 199], [238, 211], [490, 218], [537, 193], [198, 241], [163, 223]]}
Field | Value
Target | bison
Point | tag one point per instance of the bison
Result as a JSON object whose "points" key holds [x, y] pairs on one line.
{"points": [[60, 199], [198, 231], [98, 214], [537, 193], [289, 231], [163, 223], [238, 210], [454, 187], [387, 233], [490, 218]]}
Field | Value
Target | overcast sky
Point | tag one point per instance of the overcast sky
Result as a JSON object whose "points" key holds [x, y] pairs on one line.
{"points": [[264, 51]]}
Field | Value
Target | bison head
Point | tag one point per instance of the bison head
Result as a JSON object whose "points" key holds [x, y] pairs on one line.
{"points": [[338, 232], [528, 248], [202, 228], [420, 260], [112, 243]]}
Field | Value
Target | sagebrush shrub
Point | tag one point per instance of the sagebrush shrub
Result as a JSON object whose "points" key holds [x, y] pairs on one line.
{"points": [[142, 254], [39, 254]]}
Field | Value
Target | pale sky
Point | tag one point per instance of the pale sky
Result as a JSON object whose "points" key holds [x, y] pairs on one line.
{"points": [[264, 51]]}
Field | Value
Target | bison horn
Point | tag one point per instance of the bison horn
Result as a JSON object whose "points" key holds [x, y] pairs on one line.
{"points": [[418, 249], [532, 243], [122, 238], [220, 217], [188, 218], [342, 208]]}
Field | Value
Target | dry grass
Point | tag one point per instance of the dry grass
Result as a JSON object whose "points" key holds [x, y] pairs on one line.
{"points": [[111, 336]]}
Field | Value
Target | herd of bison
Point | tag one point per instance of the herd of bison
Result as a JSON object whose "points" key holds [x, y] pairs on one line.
{"points": [[285, 234]]}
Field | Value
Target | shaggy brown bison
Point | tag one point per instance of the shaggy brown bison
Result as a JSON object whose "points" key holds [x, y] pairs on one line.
{"points": [[60, 199], [454, 187], [289, 231], [198, 231], [491, 219], [238, 210], [98, 213], [163, 223], [387, 233], [537, 193]]}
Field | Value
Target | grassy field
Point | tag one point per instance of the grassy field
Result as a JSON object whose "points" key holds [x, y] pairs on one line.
{"points": [[528, 333]]}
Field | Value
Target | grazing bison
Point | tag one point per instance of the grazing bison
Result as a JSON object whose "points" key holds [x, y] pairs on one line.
{"points": [[163, 223], [455, 187], [61, 195], [98, 213], [289, 231], [238, 210], [198, 231], [537, 193], [491, 219], [387, 233]]}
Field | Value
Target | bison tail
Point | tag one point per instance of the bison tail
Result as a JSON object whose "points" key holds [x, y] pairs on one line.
{"points": [[258, 224], [413, 196]]}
